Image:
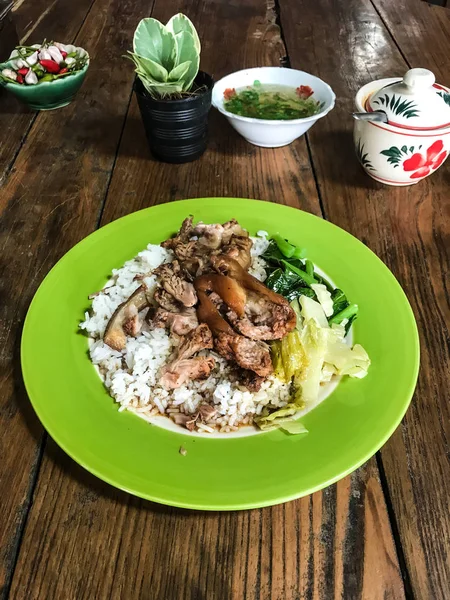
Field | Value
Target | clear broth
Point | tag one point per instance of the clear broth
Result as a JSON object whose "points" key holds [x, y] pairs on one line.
{"points": [[270, 101]]}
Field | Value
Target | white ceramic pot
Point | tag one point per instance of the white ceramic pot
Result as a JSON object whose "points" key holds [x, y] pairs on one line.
{"points": [[402, 154], [262, 132]]}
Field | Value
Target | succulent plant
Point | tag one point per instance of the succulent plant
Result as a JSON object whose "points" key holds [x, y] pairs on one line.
{"points": [[167, 57]]}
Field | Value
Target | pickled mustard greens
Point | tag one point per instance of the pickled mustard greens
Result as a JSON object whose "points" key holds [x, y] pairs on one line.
{"points": [[273, 102]]}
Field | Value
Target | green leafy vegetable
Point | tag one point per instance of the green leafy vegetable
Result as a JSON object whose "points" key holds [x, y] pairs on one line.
{"points": [[272, 255], [284, 246], [294, 278], [314, 342], [303, 275], [277, 361], [281, 418], [271, 102], [339, 301], [349, 312], [298, 292], [292, 427], [309, 267]]}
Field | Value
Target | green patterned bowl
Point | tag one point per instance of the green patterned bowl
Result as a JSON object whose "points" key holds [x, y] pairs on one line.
{"points": [[48, 94]]}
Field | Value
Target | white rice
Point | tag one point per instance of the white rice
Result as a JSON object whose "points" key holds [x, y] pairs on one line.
{"points": [[131, 375]]}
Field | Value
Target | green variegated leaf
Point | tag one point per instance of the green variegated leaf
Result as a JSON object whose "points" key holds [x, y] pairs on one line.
{"points": [[187, 51], [155, 70], [152, 40], [179, 23], [180, 71], [161, 89]]}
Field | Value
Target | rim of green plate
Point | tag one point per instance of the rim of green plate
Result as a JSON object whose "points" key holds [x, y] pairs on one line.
{"points": [[256, 211]]}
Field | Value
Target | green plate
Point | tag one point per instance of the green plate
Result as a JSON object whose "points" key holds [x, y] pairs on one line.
{"points": [[218, 474]]}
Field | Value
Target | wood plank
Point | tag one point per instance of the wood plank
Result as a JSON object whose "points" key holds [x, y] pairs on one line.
{"points": [[51, 200], [408, 228], [84, 539], [61, 20], [422, 32]]}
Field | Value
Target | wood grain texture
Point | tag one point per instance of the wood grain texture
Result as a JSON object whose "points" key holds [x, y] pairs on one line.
{"points": [[51, 200], [86, 540], [421, 31], [409, 229], [60, 20]]}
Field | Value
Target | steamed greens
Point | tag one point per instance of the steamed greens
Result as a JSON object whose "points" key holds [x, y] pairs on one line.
{"points": [[294, 277], [317, 350]]}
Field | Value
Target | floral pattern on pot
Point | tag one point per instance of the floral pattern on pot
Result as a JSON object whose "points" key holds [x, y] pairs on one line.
{"points": [[423, 165], [445, 97], [406, 108], [363, 157], [420, 164]]}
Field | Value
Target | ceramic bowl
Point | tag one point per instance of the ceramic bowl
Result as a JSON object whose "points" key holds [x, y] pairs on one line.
{"points": [[266, 133], [47, 95], [395, 155]]}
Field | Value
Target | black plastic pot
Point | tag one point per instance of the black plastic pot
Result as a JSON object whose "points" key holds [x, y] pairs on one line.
{"points": [[177, 130], [8, 33]]}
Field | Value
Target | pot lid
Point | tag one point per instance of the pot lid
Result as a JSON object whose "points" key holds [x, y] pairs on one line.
{"points": [[415, 102]]}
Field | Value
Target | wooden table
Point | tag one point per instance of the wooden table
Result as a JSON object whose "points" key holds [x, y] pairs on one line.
{"points": [[382, 532]]}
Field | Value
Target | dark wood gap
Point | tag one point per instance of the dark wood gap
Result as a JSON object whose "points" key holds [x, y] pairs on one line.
{"points": [[19, 148], [394, 528], [102, 207], [4, 592]]}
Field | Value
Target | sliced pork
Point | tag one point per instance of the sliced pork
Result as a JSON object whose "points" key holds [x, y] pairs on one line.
{"points": [[166, 300], [180, 323], [209, 235], [173, 282], [266, 315], [186, 369], [182, 367], [239, 248], [248, 354]]}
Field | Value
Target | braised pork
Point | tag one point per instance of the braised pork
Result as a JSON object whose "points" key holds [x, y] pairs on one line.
{"points": [[183, 366]]}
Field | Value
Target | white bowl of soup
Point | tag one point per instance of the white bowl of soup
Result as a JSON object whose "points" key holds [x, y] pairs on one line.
{"points": [[272, 106]]}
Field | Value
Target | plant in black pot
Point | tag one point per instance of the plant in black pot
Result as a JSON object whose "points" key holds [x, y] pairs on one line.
{"points": [[174, 96]]}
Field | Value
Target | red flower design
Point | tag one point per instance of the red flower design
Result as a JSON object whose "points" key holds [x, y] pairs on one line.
{"points": [[304, 91], [423, 165], [229, 93]]}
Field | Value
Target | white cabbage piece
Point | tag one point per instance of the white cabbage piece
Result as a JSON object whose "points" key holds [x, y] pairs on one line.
{"points": [[324, 297], [313, 310]]}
